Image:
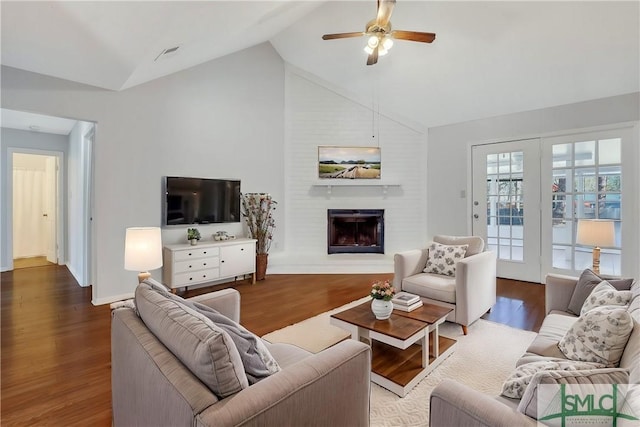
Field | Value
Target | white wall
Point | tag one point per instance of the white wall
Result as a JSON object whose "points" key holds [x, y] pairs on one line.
{"points": [[317, 114], [76, 177], [449, 151], [220, 119], [25, 141]]}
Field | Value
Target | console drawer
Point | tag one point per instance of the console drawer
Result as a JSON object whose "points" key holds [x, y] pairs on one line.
{"points": [[192, 277], [194, 253]]}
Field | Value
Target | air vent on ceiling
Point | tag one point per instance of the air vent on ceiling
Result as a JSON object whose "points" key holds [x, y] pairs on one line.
{"points": [[166, 53]]}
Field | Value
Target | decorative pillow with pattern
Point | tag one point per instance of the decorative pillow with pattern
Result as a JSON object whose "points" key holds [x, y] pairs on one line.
{"points": [[599, 335], [443, 258], [515, 386], [605, 294]]}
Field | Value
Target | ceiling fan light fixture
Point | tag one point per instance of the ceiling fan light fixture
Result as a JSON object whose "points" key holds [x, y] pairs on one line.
{"points": [[368, 49], [387, 43], [382, 51], [373, 42]]}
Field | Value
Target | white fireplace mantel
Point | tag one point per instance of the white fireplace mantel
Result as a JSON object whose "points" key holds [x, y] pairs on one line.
{"points": [[330, 183]]}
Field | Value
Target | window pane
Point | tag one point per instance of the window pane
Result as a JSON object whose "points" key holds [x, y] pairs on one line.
{"points": [[609, 151], [562, 155], [585, 206], [516, 161], [562, 209], [609, 206], [609, 178], [517, 251], [585, 153], [561, 180], [562, 257], [562, 232], [585, 180]]}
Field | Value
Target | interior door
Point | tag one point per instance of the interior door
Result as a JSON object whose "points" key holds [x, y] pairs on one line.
{"points": [[50, 195], [506, 205]]}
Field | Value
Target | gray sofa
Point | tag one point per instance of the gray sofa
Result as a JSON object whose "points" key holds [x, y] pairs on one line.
{"points": [[454, 404], [152, 387]]}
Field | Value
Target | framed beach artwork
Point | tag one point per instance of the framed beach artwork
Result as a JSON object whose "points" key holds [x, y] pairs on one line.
{"points": [[349, 162]]}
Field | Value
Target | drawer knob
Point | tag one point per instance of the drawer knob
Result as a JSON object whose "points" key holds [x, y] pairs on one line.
{"points": [[204, 275], [204, 263], [222, 261], [205, 252], [242, 249], [190, 278], [189, 266], [189, 253]]}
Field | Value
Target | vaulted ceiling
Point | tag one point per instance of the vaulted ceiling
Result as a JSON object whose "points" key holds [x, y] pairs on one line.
{"points": [[489, 58]]}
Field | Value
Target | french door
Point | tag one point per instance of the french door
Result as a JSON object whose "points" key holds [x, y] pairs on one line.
{"points": [[506, 205]]}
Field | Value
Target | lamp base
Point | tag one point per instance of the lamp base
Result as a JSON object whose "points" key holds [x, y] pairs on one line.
{"points": [[143, 276], [596, 260]]}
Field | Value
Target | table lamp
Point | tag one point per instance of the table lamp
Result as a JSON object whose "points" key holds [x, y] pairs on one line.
{"points": [[143, 250], [596, 233]]}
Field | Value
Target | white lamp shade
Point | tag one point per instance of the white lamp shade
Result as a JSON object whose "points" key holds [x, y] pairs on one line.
{"points": [[595, 232], [143, 249]]}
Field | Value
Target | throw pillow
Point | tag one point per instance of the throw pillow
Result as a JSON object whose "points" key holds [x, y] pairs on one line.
{"points": [[208, 351], [514, 386], [257, 360], [442, 259], [587, 281], [585, 378], [605, 294], [600, 335]]}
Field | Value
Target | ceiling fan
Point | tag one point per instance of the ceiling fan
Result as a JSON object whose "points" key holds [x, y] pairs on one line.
{"points": [[380, 34]]}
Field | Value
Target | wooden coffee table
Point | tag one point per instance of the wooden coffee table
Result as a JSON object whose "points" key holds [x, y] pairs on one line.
{"points": [[405, 347]]}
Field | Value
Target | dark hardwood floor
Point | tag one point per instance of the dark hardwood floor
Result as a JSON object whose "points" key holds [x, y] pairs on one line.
{"points": [[55, 345]]}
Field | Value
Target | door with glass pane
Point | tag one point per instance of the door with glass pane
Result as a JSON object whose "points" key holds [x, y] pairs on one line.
{"points": [[583, 177], [506, 205]]}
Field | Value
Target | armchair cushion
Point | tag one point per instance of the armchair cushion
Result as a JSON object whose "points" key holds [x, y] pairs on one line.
{"points": [[432, 286], [442, 259], [476, 244]]}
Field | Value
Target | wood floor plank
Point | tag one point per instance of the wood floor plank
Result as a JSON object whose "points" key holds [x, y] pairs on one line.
{"points": [[56, 349]]}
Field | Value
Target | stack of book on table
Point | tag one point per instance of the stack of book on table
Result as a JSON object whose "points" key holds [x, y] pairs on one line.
{"points": [[406, 302]]}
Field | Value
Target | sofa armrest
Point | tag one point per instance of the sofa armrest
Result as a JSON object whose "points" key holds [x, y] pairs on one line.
{"points": [[225, 301], [558, 291], [407, 264], [475, 286], [328, 388], [455, 404]]}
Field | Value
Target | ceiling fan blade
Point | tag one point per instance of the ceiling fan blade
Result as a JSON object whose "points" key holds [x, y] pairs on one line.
{"points": [[415, 36], [373, 57], [342, 35], [385, 9]]}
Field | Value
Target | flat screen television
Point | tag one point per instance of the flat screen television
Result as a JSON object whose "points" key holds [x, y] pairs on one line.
{"points": [[201, 201]]}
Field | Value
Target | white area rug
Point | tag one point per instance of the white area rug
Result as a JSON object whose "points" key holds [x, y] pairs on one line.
{"points": [[482, 360]]}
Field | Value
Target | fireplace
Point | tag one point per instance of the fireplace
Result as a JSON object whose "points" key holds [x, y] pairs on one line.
{"points": [[355, 231]]}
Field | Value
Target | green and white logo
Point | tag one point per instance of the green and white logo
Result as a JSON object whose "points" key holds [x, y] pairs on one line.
{"points": [[565, 405]]}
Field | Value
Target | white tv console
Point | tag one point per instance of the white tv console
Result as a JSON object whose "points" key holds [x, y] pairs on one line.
{"points": [[187, 265]]}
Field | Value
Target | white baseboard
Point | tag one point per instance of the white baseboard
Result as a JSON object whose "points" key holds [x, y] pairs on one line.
{"points": [[110, 299]]}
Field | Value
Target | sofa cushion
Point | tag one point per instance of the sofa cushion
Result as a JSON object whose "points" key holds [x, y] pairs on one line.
{"points": [[442, 259], [554, 327], [515, 385], [585, 378], [600, 335], [257, 360], [287, 354], [587, 281], [208, 351], [605, 294], [476, 244], [631, 356], [432, 286]]}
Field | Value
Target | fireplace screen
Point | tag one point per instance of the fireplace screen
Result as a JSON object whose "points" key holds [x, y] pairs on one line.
{"points": [[355, 231]]}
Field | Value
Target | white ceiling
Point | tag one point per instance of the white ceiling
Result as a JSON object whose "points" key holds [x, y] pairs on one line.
{"points": [[489, 58], [35, 122]]}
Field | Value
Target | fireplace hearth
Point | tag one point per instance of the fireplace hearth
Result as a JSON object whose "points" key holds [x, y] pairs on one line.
{"points": [[355, 231]]}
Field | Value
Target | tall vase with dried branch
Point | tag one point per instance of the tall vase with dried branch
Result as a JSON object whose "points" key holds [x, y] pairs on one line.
{"points": [[257, 210]]}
